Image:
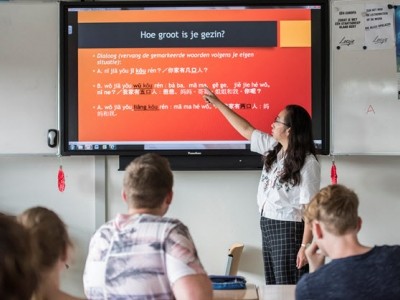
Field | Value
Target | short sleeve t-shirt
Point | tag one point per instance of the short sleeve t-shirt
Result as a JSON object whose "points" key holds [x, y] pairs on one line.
{"points": [[283, 201], [372, 275], [139, 257]]}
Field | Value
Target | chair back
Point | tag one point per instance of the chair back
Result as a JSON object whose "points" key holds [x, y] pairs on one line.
{"points": [[234, 254]]}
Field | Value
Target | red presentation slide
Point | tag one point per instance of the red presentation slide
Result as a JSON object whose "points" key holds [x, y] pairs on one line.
{"points": [[151, 88]]}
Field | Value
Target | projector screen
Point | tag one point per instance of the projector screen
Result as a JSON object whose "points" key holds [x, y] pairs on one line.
{"points": [[133, 74]]}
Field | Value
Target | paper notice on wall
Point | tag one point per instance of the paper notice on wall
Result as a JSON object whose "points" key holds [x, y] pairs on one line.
{"points": [[349, 29], [379, 27]]}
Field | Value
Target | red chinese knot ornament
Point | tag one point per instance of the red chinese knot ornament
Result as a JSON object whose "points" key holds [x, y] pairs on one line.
{"points": [[333, 173], [61, 180]]}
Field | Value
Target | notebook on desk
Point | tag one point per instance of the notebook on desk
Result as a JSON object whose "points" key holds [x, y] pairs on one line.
{"points": [[226, 282]]}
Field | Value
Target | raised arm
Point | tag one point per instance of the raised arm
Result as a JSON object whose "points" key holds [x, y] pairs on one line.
{"points": [[239, 123]]}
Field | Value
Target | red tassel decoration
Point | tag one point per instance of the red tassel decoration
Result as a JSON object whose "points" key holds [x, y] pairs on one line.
{"points": [[333, 173], [61, 180]]}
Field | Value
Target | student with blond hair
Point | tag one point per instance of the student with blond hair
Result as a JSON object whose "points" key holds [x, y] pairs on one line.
{"points": [[142, 254], [355, 271], [49, 234]]}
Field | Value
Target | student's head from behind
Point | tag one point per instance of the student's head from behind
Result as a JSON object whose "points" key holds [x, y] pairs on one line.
{"points": [[18, 274], [300, 129], [148, 180], [50, 234], [336, 207]]}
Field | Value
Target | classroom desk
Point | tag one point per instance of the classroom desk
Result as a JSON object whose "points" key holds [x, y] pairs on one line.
{"points": [[250, 293], [277, 292], [265, 292]]}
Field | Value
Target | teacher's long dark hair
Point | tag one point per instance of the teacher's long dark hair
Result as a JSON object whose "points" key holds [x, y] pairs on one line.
{"points": [[300, 145]]}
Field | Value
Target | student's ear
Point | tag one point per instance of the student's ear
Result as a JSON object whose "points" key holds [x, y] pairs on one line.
{"points": [[123, 195], [318, 232], [169, 197], [359, 223]]}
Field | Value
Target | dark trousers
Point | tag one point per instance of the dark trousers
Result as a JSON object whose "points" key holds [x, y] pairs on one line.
{"points": [[281, 241]]}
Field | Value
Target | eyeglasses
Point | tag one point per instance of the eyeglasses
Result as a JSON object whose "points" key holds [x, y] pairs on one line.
{"points": [[280, 122]]}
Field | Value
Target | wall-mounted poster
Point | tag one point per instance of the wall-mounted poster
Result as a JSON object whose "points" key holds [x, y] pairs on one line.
{"points": [[379, 28], [348, 31]]}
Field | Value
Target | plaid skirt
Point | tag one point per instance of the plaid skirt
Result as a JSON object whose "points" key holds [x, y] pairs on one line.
{"points": [[281, 241]]}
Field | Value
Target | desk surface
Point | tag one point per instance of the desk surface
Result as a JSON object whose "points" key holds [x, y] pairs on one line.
{"points": [[277, 292], [265, 292], [250, 293]]}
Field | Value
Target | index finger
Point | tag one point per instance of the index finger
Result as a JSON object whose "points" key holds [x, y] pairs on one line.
{"points": [[208, 90]]}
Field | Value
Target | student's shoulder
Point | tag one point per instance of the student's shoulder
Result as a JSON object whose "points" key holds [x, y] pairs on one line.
{"points": [[389, 250], [302, 290], [176, 226], [310, 285], [167, 223], [105, 231], [175, 223]]}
